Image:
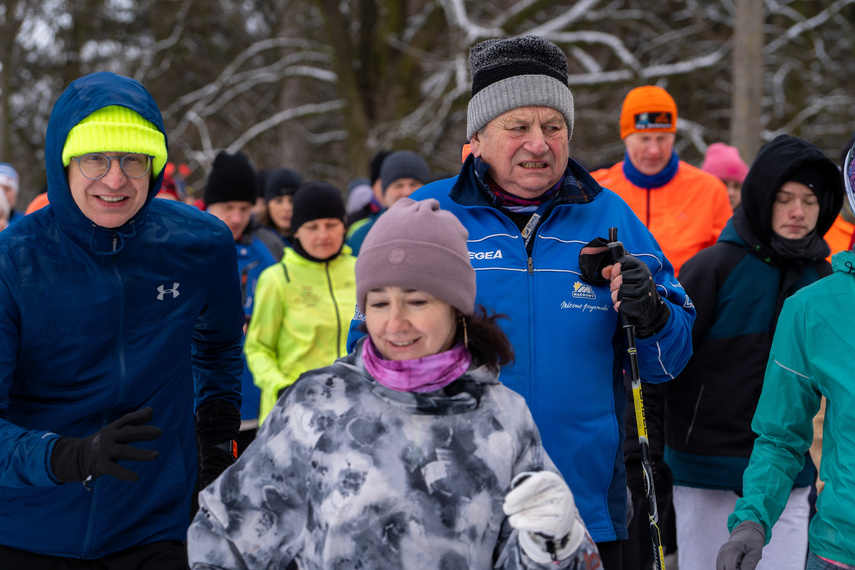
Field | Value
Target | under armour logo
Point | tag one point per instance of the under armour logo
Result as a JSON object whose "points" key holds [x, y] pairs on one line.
{"points": [[162, 291]]}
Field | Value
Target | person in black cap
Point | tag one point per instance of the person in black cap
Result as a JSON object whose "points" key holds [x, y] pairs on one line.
{"points": [[303, 302], [279, 188], [230, 195], [402, 173]]}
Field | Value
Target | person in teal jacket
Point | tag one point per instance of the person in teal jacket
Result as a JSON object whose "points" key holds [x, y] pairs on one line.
{"points": [[811, 357], [120, 316]]}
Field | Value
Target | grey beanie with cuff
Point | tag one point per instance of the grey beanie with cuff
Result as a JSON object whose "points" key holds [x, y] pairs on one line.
{"points": [[403, 164], [416, 245], [517, 72]]}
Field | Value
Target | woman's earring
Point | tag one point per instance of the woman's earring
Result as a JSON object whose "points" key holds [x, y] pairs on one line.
{"points": [[465, 331]]}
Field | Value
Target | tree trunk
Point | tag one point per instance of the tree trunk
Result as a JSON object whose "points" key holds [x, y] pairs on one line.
{"points": [[292, 147], [747, 96]]}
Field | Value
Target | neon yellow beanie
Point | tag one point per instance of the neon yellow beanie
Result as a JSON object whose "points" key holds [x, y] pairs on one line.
{"points": [[116, 129]]}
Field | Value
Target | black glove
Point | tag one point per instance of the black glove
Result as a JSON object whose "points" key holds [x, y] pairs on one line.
{"points": [[217, 426], [87, 459], [593, 258], [639, 301], [663, 478], [743, 549]]}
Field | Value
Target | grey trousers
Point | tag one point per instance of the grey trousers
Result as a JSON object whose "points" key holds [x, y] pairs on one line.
{"points": [[701, 517]]}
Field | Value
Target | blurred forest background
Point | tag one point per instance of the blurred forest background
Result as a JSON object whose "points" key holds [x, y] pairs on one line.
{"points": [[321, 85]]}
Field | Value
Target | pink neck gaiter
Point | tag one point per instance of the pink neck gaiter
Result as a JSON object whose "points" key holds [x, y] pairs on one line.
{"points": [[420, 374]]}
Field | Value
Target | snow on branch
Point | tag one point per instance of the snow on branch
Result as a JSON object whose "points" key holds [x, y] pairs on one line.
{"points": [[281, 117], [804, 26]]}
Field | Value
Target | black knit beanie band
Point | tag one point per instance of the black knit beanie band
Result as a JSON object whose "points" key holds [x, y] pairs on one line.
{"points": [[281, 182], [315, 201], [232, 179]]}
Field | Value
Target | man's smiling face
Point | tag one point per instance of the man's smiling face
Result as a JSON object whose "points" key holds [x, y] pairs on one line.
{"points": [[527, 149], [112, 200]]}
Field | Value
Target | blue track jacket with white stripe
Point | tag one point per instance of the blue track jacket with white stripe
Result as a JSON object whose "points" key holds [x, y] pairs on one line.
{"points": [[96, 323], [570, 348]]}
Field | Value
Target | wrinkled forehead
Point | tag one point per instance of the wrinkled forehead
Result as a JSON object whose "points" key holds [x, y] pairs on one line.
{"points": [[532, 114]]}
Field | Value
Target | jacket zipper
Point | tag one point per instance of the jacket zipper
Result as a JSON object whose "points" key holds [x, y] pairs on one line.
{"points": [[694, 415], [120, 333], [90, 525], [647, 213], [335, 306], [528, 246], [93, 506]]}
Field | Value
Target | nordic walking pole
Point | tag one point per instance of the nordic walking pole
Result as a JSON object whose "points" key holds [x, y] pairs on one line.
{"points": [[617, 251]]}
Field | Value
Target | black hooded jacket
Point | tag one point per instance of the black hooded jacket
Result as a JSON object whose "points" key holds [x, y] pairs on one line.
{"points": [[738, 287]]}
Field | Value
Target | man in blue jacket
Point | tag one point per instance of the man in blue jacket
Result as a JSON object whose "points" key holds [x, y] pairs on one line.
{"points": [[121, 317], [530, 211]]}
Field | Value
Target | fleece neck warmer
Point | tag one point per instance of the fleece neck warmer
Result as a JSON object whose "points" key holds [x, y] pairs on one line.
{"points": [[420, 375], [654, 181]]}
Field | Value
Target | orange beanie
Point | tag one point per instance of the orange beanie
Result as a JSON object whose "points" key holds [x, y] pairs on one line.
{"points": [[648, 108]]}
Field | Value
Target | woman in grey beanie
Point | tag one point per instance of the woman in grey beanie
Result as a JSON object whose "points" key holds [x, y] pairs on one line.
{"points": [[408, 452]]}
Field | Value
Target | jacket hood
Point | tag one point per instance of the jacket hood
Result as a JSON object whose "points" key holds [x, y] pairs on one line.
{"points": [[79, 100], [774, 164]]}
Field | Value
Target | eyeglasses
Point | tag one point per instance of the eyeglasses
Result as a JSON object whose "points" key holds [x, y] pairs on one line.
{"points": [[95, 166]]}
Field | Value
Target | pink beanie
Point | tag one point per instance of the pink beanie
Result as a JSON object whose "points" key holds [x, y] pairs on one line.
{"points": [[416, 245], [723, 162]]}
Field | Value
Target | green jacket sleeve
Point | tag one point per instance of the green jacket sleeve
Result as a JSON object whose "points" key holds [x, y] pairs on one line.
{"points": [[783, 423]]}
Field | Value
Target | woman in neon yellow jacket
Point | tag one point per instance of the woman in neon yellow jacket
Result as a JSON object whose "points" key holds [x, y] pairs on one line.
{"points": [[303, 304]]}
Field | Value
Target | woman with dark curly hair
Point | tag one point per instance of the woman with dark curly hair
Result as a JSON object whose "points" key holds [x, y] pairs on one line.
{"points": [[407, 453]]}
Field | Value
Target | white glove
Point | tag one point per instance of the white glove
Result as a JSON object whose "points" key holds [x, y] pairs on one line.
{"points": [[541, 506]]}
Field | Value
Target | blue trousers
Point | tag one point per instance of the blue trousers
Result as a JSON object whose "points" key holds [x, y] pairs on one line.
{"points": [[814, 562]]}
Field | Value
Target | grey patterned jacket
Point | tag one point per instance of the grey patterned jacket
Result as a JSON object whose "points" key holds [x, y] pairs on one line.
{"points": [[346, 473]]}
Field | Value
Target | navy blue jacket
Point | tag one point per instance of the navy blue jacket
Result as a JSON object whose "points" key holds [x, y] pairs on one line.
{"points": [[96, 323]]}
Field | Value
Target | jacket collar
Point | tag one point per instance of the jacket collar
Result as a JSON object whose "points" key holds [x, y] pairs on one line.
{"points": [[470, 188]]}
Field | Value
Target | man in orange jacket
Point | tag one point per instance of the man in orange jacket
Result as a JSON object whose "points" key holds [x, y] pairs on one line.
{"points": [[683, 207]]}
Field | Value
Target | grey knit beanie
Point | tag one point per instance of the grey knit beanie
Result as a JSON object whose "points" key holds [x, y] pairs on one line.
{"points": [[517, 72], [403, 164], [417, 245]]}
